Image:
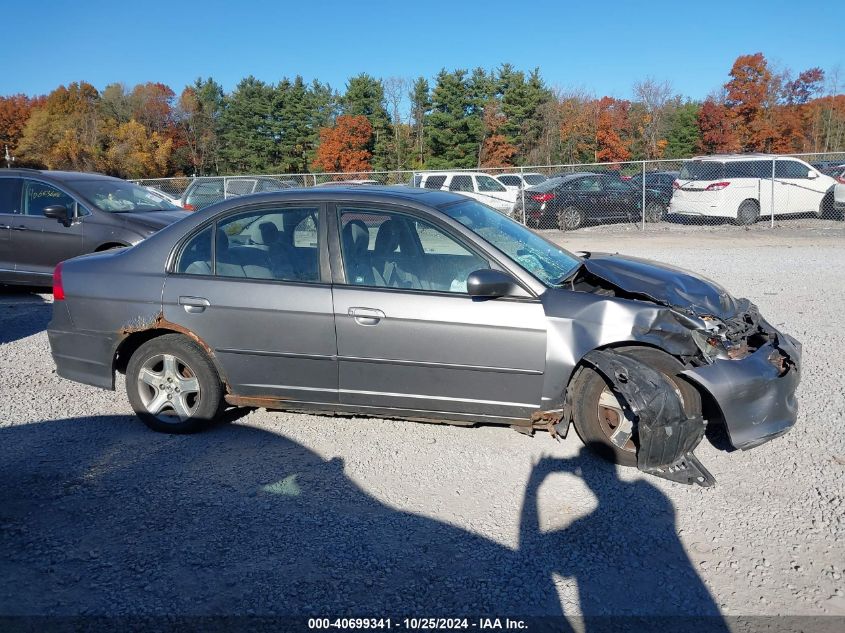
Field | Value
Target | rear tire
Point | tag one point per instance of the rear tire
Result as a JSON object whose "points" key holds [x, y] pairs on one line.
{"points": [[826, 211], [748, 213], [570, 218], [653, 212], [173, 386], [593, 408]]}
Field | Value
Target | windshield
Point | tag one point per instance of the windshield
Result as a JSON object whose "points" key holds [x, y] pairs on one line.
{"points": [[118, 196], [548, 262]]}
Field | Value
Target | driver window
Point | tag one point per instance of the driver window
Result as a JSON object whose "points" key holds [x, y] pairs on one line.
{"points": [[391, 250], [461, 183], [38, 195]]}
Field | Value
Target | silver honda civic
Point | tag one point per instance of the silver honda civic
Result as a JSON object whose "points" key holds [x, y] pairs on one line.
{"points": [[425, 305]]}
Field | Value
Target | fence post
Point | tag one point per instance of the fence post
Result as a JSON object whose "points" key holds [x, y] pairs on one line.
{"points": [[642, 209], [522, 193], [772, 201], [225, 188]]}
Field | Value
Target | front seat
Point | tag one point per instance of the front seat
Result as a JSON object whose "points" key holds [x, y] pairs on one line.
{"points": [[356, 240]]}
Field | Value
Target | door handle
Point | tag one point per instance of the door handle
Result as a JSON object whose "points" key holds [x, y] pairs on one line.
{"points": [[366, 316], [194, 304], [20, 228]]}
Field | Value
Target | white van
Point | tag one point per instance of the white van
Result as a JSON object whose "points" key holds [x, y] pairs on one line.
{"points": [[517, 182], [481, 187], [741, 187]]}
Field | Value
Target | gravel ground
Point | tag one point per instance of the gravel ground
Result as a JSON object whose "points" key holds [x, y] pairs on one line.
{"points": [[276, 513]]}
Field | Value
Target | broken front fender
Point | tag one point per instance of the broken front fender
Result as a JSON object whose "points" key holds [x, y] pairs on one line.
{"points": [[665, 435], [756, 394]]}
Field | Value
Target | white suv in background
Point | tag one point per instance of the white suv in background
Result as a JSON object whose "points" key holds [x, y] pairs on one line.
{"points": [[517, 182], [740, 187], [481, 187]]}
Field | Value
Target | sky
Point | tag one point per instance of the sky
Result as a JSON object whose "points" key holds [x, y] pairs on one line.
{"points": [[602, 48]]}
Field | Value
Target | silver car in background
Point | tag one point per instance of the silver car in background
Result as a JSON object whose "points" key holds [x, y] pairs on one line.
{"points": [[419, 304]]}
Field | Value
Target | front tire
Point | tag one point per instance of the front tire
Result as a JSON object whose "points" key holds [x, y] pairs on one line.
{"points": [[598, 416], [173, 386]]}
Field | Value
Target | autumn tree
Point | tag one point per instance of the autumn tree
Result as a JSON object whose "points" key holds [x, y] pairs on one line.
{"points": [[749, 91], [197, 114], [717, 130], [64, 133], [577, 127], [14, 114], [653, 98], [344, 148], [611, 125], [136, 152]]}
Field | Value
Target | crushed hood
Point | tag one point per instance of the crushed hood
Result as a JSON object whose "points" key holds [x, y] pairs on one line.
{"points": [[664, 284]]}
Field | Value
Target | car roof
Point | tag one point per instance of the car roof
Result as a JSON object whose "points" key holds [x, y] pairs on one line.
{"points": [[455, 173], [734, 157], [363, 193], [62, 176]]}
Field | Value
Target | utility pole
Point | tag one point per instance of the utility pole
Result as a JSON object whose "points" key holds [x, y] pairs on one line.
{"points": [[9, 158]]}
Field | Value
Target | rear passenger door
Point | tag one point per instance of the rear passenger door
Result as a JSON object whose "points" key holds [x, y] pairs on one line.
{"points": [[254, 287], [10, 207]]}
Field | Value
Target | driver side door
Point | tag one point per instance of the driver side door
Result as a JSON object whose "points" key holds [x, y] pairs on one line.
{"points": [[411, 340]]}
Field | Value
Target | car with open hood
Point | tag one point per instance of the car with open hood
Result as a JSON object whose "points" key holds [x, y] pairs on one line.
{"points": [[49, 216], [424, 305]]}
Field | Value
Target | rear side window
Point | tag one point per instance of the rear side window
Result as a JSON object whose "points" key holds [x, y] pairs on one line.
{"points": [[10, 195], [461, 183], [534, 179], [749, 169], [486, 183], [790, 169], [195, 258], [434, 182], [702, 170], [510, 181], [240, 187]]}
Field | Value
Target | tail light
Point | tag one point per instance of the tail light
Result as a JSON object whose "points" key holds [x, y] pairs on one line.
{"points": [[841, 179], [623, 177], [716, 186], [188, 207], [58, 288], [676, 184], [542, 197]]}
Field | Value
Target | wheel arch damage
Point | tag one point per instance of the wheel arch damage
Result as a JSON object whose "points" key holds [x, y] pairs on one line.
{"points": [[133, 335]]}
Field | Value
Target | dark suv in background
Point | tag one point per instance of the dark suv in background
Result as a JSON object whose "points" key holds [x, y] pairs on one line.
{"points": [[49, 216]]}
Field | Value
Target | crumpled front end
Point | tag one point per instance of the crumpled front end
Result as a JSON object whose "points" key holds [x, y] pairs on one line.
{"points": [[755, 393]]}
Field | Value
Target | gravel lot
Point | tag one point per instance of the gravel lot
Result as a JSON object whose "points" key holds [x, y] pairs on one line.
{"points": [[275, 513]]}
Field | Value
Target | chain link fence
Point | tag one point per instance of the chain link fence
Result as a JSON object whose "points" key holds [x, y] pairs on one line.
{"points": [[735, 190]]}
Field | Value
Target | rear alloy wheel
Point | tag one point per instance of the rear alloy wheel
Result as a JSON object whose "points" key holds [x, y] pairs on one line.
{"points": [[653, 212], [826, 210], [173, 386], [748, 213], [599, 418], [570, 218]]}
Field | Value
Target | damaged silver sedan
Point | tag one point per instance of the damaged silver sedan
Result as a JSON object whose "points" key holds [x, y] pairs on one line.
{"points": [[421, 305]]}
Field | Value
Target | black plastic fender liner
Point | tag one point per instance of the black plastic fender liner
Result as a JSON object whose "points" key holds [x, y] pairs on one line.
{"points": [[665, 435]]}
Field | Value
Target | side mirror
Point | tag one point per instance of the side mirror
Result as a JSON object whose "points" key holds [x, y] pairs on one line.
{"points": [[58, 212], [489, 284], [812, 175]]}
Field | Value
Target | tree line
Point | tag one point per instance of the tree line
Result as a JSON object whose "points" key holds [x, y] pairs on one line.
{"points": [[479, 118]]}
